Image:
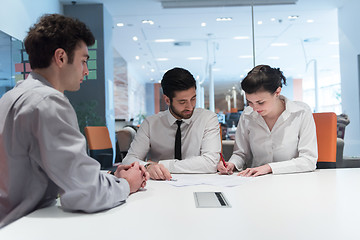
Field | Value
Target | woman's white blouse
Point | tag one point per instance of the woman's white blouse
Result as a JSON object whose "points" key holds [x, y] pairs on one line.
{"points": [[291, 145]]}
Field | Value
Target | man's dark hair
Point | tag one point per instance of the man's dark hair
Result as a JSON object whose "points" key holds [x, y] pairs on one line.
{"points": [[177, 79], [263, 78], [55, 31]]}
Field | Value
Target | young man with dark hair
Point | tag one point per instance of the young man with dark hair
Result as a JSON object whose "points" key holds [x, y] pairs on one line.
{"points": [[42, 152], [180, 140]]}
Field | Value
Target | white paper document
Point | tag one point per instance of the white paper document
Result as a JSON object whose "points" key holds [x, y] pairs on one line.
{"points": [[181, 180]]}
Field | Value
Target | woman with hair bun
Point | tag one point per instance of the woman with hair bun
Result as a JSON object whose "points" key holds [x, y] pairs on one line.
{"points": [[274, 134]]}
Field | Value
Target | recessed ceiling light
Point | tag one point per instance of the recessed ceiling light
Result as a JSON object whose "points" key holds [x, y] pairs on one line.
{"points": [[152, 70], [165, 40], [241, 37], [279, 44], [203, 24], [310, 21], [137, 57], [223, 19], [273, 19], [260, 22], [195, 58], [293, 17], [135, 38], [162, 59], [147, 22], [120, 24]]}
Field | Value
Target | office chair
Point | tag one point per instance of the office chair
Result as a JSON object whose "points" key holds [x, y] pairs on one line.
{"points": [[326, 124], [124, 138], [100, 147]]}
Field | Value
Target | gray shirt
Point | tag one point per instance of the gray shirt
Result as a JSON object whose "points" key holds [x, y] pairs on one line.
{"points": [[200, 139], [43, 155]]}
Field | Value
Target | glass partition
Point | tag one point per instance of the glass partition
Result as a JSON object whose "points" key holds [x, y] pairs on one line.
{"points": [[12, 68], [303, 42]]}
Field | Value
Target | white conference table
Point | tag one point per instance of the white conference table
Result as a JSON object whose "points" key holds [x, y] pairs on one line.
{"points": [[324, 204]]}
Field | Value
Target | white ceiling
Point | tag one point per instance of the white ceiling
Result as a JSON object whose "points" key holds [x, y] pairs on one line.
{"points": [[215, 42]]}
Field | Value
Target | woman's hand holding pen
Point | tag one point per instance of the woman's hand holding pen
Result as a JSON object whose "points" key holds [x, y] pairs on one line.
{"points": [[225, 170]]}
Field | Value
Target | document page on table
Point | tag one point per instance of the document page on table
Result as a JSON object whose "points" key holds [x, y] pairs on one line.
{"points": [[181, 180]]}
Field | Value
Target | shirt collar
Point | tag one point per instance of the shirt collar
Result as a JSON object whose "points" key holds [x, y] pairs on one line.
{"points": [[36, 76], [290, 107]]}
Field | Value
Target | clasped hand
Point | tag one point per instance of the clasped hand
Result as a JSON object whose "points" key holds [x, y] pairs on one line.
{"points": [[135, 174]]}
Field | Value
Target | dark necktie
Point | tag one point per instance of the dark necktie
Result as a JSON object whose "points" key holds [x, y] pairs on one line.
{"points": [[178, 140]]}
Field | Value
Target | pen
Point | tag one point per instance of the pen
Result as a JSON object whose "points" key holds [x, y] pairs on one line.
{"points": [[222, 159]]}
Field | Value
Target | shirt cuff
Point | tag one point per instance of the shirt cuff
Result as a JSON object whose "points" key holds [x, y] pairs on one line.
{"points": [[125, 184], [168, 164]]}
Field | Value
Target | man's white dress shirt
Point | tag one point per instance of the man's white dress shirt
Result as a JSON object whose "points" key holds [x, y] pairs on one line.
{"points": [[200, 142], [291, 145]]}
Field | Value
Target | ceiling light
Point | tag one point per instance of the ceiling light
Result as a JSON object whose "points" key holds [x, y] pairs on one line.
{"points": [[147, 22], [273, 19], [120, 24], [293, 17], [279, 44], [162, 59], [241, 37], [223, 19], [260, 22], [137, 57], [195, 58], [165, 40], [203, 24], [152, 70], [310, 21], [135, 38]]}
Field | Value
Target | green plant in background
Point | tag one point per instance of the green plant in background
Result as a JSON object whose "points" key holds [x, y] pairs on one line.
{"points": [[337, 93], [87, 115], [139, 118]]}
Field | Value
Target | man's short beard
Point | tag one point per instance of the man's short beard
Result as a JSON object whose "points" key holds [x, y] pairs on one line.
{"points": [[177, 114]]}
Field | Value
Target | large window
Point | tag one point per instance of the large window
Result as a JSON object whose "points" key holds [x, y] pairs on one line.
{"points": [[303, 43], [10, 55]]}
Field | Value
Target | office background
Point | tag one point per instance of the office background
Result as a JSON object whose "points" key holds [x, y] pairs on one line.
{"points": [[18, 15]]}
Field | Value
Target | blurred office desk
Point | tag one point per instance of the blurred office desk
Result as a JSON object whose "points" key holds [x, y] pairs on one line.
{"points": [[324, 204]]}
